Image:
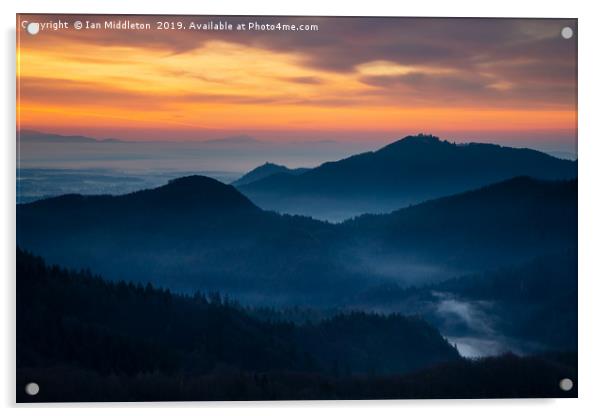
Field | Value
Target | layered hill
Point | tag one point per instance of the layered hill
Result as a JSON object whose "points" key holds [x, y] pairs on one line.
{"points": [[194, 232], [408, 171], [515, 219], [197, 233], [265, 170], [86, 339], [119, 328]]}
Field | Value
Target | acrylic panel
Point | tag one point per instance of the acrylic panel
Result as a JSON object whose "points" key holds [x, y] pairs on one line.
{"points": [[295, 208]]}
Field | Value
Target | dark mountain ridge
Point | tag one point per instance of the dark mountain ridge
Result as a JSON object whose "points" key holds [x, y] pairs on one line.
{"points": [[405, 172], [542, 212], [501, 224], [193, 232], [265, 170], [194, 192], [196, 233]]}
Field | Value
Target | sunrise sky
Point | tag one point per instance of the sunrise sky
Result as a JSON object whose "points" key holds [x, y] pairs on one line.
{"points": [[358, 79]]}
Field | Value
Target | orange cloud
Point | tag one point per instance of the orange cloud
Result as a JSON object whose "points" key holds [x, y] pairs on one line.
{"points": [[68, 81]]}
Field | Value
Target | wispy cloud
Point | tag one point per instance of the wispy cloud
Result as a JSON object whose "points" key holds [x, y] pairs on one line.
{"points": [[354, 74]]}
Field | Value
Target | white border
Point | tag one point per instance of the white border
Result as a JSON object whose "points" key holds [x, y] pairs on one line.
{"points": [[590, 185]]}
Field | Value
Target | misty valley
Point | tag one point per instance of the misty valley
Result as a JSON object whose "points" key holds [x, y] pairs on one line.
{"points": [[423, 269]]}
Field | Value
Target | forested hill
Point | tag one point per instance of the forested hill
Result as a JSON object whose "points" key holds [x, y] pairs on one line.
{"points": [[516, 219], [75, 318], [197, 233], [84, 339]]}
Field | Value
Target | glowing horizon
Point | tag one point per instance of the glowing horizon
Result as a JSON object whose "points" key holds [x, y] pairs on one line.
{"points": [[369, 79]]}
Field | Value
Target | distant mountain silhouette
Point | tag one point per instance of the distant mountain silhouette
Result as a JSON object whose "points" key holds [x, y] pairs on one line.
{"points": [[264, 171], [405, 172], [39, 137], [234, 140]]}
